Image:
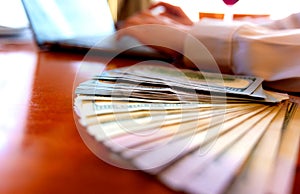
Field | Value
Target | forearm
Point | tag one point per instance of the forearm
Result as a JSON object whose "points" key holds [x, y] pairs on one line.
{"points": [[250, 50], [273, 55], [210, 44]]}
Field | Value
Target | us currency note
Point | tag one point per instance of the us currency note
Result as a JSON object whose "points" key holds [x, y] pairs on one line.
{"points": [[120, 103], [149, 161], [179, 174], [98, 87], [228, 164], [243, 85], [286, 160], [140, 144], [256, 173]]}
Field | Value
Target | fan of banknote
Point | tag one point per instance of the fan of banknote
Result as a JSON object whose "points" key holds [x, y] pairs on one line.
{"points": [[196, 132]]}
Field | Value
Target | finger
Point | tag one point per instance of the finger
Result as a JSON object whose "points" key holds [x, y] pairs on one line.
{"points": [[174, 10], [141, 34], [177, 20], [157, 4], [166, 5]]}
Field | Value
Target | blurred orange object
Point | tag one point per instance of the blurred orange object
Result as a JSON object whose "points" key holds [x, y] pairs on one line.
{"points": [[211, 15], [251, 16], [235, 16]]}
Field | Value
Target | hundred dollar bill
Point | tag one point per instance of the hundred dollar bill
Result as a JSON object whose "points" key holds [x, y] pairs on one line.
{"points": [[179, 174], [162, 156], [286, 161], [243, 85], [223, 170], [149, 95], [112, 115], [255, 175], [94, 108], [165, 133], [81, 97], [100, 87]]}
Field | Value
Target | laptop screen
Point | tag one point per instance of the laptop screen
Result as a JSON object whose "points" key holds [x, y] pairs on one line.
{"points": [[54, 20]]}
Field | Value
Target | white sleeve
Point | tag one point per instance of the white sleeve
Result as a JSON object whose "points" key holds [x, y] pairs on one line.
{"points": [[210, 37], [290, 22], [250, 49]]}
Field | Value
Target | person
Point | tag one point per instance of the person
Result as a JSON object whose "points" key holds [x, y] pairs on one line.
{"points": [[268, 50]]}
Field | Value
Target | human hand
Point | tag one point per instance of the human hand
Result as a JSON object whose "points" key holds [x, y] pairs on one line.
{"points": [[173, 12], [164, 32]]}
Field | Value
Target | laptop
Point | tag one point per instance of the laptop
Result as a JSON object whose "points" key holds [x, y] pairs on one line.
{"points": [[79, 25]]}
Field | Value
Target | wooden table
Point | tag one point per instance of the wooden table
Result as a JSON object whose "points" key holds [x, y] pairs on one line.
{"points": [[41, 150]]}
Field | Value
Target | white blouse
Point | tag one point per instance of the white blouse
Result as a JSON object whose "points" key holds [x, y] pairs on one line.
{"points": [[270, 50]]}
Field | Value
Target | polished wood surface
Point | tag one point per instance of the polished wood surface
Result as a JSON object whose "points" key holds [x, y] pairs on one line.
{"points": [[41, 150]]}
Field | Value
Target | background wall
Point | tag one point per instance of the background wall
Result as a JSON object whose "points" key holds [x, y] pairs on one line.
{"points": [[276, 8]]}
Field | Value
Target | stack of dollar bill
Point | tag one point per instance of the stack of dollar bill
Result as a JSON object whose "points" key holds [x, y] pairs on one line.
{"points": [[197, 132]]}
